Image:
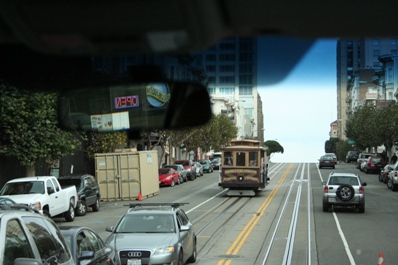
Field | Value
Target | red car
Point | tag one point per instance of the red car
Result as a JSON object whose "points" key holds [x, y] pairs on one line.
{"points": [[168, 177], [374, 164]]}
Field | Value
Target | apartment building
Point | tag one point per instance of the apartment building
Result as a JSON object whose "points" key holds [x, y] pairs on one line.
{"points": [[231, 68], [357, 61]]}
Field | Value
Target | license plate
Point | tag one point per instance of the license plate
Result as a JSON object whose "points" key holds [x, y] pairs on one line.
{"points": [[133, 262], [326, 162], [332, 199]]}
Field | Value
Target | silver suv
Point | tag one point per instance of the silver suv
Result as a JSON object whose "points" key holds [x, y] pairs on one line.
{"points": [[344, 190], [30, 238]]}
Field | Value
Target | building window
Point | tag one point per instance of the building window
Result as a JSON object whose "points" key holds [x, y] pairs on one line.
{"points": [[249, 112], [227, 79], [227, 90], [394, 52], [227, 68], [246, 57], [376, 64], [245, 90], [210, 57], [393, 42], [246, 79], [246, 45], [227, 46], [212, 79], [210, 68], [245, 68], [211, 90], [227, 57], [375, 42], [171, 72], [376, 53]]}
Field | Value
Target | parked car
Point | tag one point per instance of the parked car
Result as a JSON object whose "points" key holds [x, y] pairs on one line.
{"points": [[153, 233], [189, 167], [373, 164], [88, 192], [351, 156], [216, 162], [207, 165], [181, 171], [326, 161], [392, 182], [362, 157], [25, 233], [334, 157], [86, 245], [344, 190], [44, 194], [169, 177], [385, 172], [199, 169]]}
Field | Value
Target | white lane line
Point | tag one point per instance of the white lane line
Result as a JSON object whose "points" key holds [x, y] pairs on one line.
{"points": [[347, 248]]}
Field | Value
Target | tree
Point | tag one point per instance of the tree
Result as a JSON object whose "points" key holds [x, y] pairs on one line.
{"points": [[362, 127], [29, 128], [273, 147], [95, 142], [331, 145]]}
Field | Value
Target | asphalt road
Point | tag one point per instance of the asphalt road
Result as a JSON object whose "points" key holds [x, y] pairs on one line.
{"points": [[284, 224]]}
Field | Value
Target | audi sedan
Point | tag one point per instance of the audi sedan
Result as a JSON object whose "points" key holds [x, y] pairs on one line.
{"points": [[153, 233]]}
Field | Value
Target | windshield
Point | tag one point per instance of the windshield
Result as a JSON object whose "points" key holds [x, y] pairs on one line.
{"points": [[30, 187], [148, 223]]}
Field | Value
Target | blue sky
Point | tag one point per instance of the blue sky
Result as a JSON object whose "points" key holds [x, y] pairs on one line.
{"points": [[298, 111]]}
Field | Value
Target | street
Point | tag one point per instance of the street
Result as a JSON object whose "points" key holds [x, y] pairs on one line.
{"points": [[284, 224]]}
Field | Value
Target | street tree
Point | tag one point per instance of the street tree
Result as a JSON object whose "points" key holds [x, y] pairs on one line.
{"points": [[29, 128], [273, 147], [96, 142]]}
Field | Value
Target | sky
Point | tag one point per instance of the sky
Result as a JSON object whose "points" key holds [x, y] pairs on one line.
{"points": [[299, 110]]}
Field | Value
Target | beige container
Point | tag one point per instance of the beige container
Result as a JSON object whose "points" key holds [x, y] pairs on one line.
{"points": [[124, 175]]}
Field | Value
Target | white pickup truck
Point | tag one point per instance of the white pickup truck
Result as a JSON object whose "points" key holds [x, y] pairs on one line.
{"points": [[44, 194]]}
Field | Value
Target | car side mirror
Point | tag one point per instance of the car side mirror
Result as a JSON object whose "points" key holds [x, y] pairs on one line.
{"points": [[86, 255], [110, 228], [364, 184]]}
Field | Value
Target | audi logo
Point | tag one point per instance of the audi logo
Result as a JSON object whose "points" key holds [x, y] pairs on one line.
{"points": [[134, 254]]}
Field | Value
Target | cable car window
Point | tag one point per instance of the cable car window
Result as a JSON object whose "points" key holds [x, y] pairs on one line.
{"points": [[240, 159], [253, 159], [228, 159]]}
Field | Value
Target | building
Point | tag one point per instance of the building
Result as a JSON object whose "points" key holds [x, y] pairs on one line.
{"points": [[231, 69], [353, 55]]}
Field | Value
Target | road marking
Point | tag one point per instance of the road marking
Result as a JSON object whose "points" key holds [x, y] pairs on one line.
{"points": [[347, 248], [241, 239]]}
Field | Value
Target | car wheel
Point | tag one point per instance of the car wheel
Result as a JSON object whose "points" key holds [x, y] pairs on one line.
{"points": [[389, 184], [380, 177], [96, 205], [81, 208], [180, 180], [172, 183], [333, 167], [326, 207], [361, 208], [70, 214], [345, 192], [180, 258], [394, 187], [46, 213], [192, 258]]}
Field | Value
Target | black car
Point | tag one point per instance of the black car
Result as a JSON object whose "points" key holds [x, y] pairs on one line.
{"points": [[216, 162], [352, 156], [88, 191], [86, 245]]}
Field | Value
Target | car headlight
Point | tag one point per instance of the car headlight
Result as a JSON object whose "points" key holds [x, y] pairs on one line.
{"points": [[164, 251], [36, 206]]}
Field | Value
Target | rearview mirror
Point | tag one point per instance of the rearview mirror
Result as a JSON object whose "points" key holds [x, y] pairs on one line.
{"points": [[135, 106]]}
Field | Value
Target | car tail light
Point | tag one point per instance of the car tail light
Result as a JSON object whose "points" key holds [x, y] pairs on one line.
{"points": [[395, 174], [326, 189], [360, 190]]}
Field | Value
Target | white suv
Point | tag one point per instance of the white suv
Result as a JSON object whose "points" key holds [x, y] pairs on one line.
{"points": [[344, 190]]}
